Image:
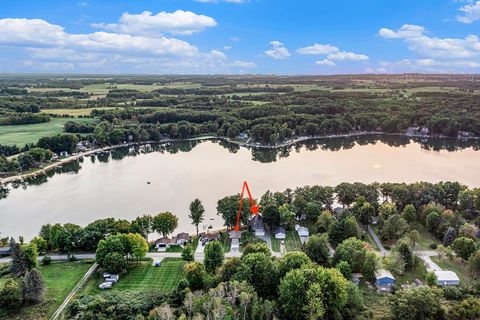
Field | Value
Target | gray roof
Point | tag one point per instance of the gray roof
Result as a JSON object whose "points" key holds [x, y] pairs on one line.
{"points": [[279, 230], [382, 273], [183, 236], [257, 222], [446, 276]]}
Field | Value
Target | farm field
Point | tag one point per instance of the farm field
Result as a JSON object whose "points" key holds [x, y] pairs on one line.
{"points": [[144, 276], [30, 133], [72, 112], [60, 278]]}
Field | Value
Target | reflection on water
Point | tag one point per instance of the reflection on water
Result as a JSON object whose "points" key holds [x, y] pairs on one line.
{"points": [[115, 183]]}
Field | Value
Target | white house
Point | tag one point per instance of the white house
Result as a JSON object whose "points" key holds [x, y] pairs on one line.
{"points": [[303, 233], [280, 233], [447, 278], [235, 237], [163, 243]]}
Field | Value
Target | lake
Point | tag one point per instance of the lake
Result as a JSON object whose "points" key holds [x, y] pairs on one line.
{"points": [[115, 184]]}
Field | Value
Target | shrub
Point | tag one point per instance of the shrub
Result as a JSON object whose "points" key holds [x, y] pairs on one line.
{"points": [[46, 260], [452, 293], [433, 246]]}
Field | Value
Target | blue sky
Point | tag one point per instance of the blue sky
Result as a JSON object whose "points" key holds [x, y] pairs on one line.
{"points": [[240, 36]]}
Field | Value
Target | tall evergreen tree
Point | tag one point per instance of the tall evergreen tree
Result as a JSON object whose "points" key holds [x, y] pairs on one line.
{"points": [[19, 263], [33, 287]]}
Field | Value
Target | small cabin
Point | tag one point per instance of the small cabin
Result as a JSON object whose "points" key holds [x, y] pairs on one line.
{"points": [[384, 280], [447, 278], [280, 233], [256, 225]]}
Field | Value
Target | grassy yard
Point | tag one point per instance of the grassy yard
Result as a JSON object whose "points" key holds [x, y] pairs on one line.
{"points": [[409, 276], [72, 112], [292, 241], [174, 248], [30, 133], [144, 276], [60, 278], [426, 238], [275, 243], [455, 265]]}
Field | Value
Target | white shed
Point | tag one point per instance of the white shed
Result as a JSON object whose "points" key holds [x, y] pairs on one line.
{"points": [[447, 278]]}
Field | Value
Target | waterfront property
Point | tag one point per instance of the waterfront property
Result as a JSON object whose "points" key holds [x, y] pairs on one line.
{"points": [[280, 233], [303, 233], [206, 237], [447, 278], [256, 225], [235, 237]]}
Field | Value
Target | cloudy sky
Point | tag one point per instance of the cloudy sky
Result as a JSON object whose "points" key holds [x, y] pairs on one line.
{"points": [[240, 36]]}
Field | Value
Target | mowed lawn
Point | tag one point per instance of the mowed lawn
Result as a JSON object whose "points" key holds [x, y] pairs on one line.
{"points": [[144, 276], [426, 238], [30, 133], [292, 241], [60, 279]]}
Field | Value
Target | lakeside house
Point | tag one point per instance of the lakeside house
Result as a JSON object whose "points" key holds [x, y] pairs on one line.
{"points": [[163, 243], [303, 233], [183, 238], [280, 233], [235, 237], [242, 136], [446, 278], [209, 236], [384, 280], [417, 131], [256, 225]]}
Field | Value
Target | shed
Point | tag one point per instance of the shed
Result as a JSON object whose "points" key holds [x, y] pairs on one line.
{"points": [[447, 278], [280, 233], [235, 237], [384, 278]]}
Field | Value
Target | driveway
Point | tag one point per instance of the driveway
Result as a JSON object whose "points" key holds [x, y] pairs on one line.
{"points": [[429, 264], [377, 241]]}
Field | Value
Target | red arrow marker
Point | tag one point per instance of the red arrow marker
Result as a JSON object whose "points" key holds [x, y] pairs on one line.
{"points": [[254, 208]]}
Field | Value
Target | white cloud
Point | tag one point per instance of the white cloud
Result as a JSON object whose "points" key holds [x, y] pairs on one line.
{"points": [[344, 55], [428, 65], [325, 62], [278, 50], [227, 47], [332, 54], [37, 45], [146, 23], [318, 49], [433, 47], [471, 13], [243, 64]]}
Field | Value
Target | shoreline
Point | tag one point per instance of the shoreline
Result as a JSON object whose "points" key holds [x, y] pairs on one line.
{"points": [[257, 145]]}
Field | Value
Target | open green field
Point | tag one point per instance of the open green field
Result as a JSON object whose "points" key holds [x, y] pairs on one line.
{"points": [[292, 241], [455, 265], [60, 279], [72, 112], [144, 276], [30, 133]]}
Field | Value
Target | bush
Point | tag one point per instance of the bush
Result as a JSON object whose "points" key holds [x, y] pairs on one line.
{"points": [[46, 260], [433, 246], [5, 268], [452, 293]]}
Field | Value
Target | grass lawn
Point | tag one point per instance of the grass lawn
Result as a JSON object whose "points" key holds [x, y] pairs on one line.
{"points": [[144, 276], [376, 304], [174, 248], [28, 133], [292, 241], [60, 278], [275, 243], [455, 265], [426, 238], [72, 112]]}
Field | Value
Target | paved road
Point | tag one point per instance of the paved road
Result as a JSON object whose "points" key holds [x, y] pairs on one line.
{"points": [[380, 246]]}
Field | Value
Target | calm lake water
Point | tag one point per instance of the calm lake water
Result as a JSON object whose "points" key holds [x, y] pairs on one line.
{"points": [[115, 184]]}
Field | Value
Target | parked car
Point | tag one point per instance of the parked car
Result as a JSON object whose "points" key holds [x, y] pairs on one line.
{"points": [[105, 285]]}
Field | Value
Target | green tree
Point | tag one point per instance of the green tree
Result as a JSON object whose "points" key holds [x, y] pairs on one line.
{"points": [[394, 227], [409, 213], [195, 274], [463, 247], [468, 309], [271, 216], [227, 207], [19, 264], [10, 295], [255, 248], [344, 269], [316, 248], [197, 212], [324, 221], [165, 223], [431, 278], [114, 262], [40, 243], [214, 256], [138, 245], [416, 303], [394, 263], [261, 272], [142, 225], [188, 253], [414, 237], [474, 264], [33, 287], [405, 249], [432, 221], [292, 260], [353, 251], [449, 236], [30, 253]]}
